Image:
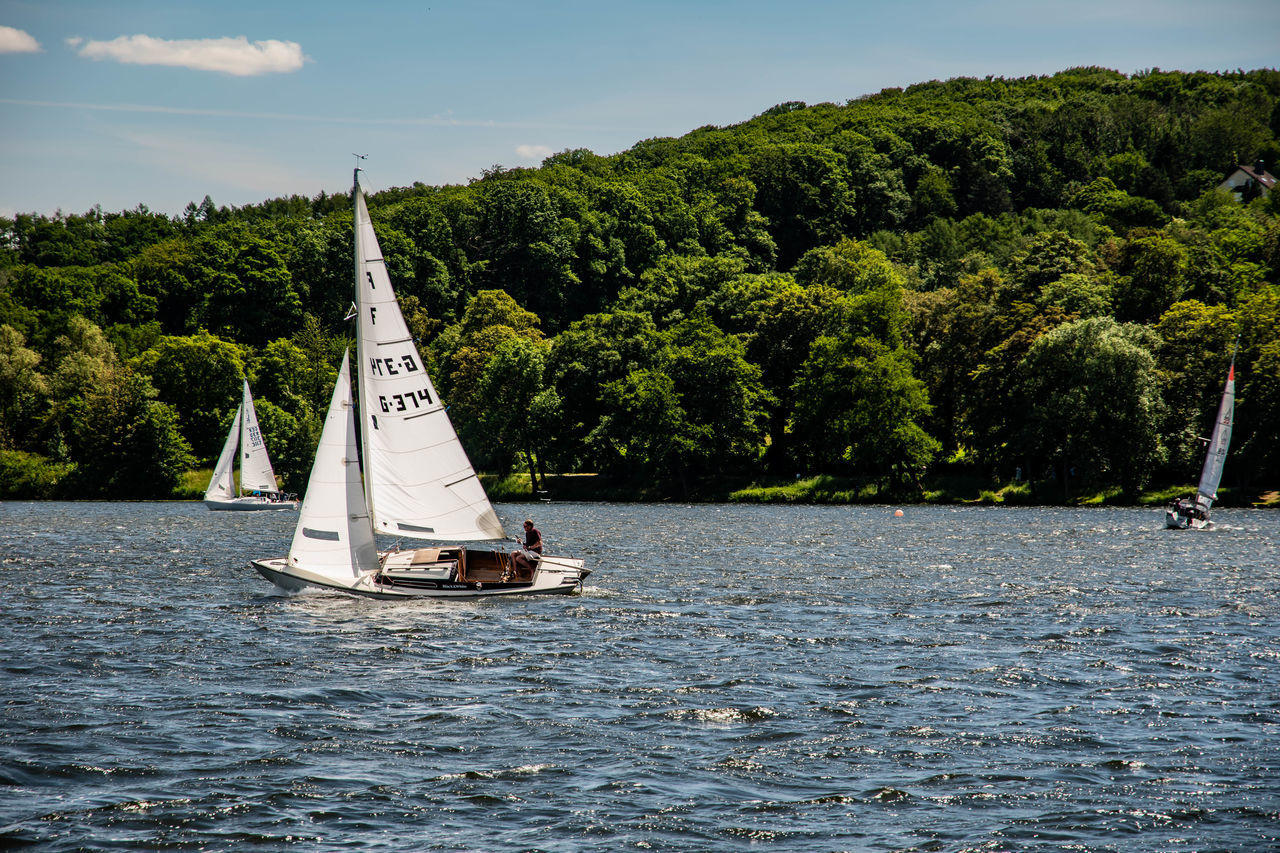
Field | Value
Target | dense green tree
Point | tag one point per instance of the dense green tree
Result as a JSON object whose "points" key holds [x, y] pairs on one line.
{"points": [[1078, 294], [461, 355], [1091, 403], [201, 377], [803, 190], [1048, 257], [932, 198], [945, 231], [291, 441], [644, 432], [720, 392], [584, 359], [1195, 343], [672, 290], [778, 319], [1116, 208], [124, 442], [1258, 388], [992, 421], [862, 413], [1153, 270], [23, 389], [56, 291], [951, 331], [248, 291], [699, 411], [440, 266], [511, 381], [166, 273], [86, 359], [529, 248]]}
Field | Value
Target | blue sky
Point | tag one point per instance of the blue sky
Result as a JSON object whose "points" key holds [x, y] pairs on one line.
{"points": [[161, 102]]}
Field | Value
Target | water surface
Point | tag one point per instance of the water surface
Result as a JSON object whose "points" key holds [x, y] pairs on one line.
{"points": [[732, 678]]}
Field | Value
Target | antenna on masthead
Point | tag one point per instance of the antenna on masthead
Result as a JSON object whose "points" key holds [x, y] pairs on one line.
{"points": [[356, 175]]}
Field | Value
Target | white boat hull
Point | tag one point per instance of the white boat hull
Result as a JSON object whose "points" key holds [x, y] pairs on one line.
{"points": [[1177, 521], [553, 576], [249, 502]]}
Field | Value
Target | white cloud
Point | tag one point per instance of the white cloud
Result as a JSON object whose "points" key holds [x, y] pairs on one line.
{"points": [[229, 55], [17, 41], [533, 152]]}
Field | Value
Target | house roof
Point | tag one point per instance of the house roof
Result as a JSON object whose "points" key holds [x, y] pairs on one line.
{"points": [[1259, 174]]}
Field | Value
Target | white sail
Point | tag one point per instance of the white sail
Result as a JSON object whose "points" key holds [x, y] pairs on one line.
{"points": [[222, 485], [255, 466], [334, 539], [419, 481], [1211, 476]]}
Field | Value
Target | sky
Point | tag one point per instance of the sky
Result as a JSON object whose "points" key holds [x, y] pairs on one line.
{"points": [[161, 102]]}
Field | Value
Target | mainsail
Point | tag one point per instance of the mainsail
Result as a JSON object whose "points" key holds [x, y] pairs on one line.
{"points": [[333, 513], [222, 484], [1211, 476], [418, 479], [255, 466]]}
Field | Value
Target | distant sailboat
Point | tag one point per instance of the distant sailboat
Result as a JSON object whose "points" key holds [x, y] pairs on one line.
{"points": [[1184, 514], [407, 476], [258, 488]]}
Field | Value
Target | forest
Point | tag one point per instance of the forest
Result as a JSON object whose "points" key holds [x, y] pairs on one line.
{"points": [[1034, 285]]}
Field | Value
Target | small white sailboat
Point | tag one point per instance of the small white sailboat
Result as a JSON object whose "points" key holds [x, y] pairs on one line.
{"points": [[407, 476], [258, 489], [1185, 513]]}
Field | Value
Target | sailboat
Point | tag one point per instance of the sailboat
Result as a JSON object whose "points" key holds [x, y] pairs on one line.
{"points": [[403, 473], [257, 488], [1185, 513]]}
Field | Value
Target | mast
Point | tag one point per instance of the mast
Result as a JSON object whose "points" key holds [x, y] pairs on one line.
{"points": [[243, 451], [357, 398], [418, 481]]}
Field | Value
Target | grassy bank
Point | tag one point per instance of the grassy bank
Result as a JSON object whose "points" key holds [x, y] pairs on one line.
{"points": [[826, 489], [946, 488]]}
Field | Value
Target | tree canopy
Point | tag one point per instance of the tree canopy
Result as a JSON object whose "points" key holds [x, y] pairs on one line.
{"points": [[1035, 277]]}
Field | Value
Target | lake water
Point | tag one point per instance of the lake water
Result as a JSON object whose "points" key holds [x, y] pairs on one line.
{"points": [[732, 678]]}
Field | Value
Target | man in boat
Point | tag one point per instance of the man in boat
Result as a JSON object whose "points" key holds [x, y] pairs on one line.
{"points": [[1181, 509], [527, 557]]}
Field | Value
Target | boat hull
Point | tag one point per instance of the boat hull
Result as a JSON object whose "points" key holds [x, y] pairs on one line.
{"points": [[1176, 521], [247, 504], [554, 576]]}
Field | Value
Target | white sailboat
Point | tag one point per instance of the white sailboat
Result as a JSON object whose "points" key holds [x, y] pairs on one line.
{"points": [[258, 489], [408, 476], [1184, 514]]}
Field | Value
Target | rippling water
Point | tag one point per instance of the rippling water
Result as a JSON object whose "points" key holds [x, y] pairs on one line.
{"points": [[798, 678]]}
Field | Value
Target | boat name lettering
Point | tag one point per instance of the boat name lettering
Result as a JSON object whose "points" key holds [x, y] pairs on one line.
{"points": [[387, 366], [399, 402]]}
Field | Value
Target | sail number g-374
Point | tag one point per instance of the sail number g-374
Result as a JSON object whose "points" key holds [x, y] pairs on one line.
{"points": [[400, 402]]}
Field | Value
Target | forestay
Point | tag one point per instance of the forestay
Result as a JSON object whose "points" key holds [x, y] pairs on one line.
{"points": [[419, 481]]}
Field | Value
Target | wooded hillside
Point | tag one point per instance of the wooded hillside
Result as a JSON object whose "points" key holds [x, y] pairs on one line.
{"points": [[1018, 279]]}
